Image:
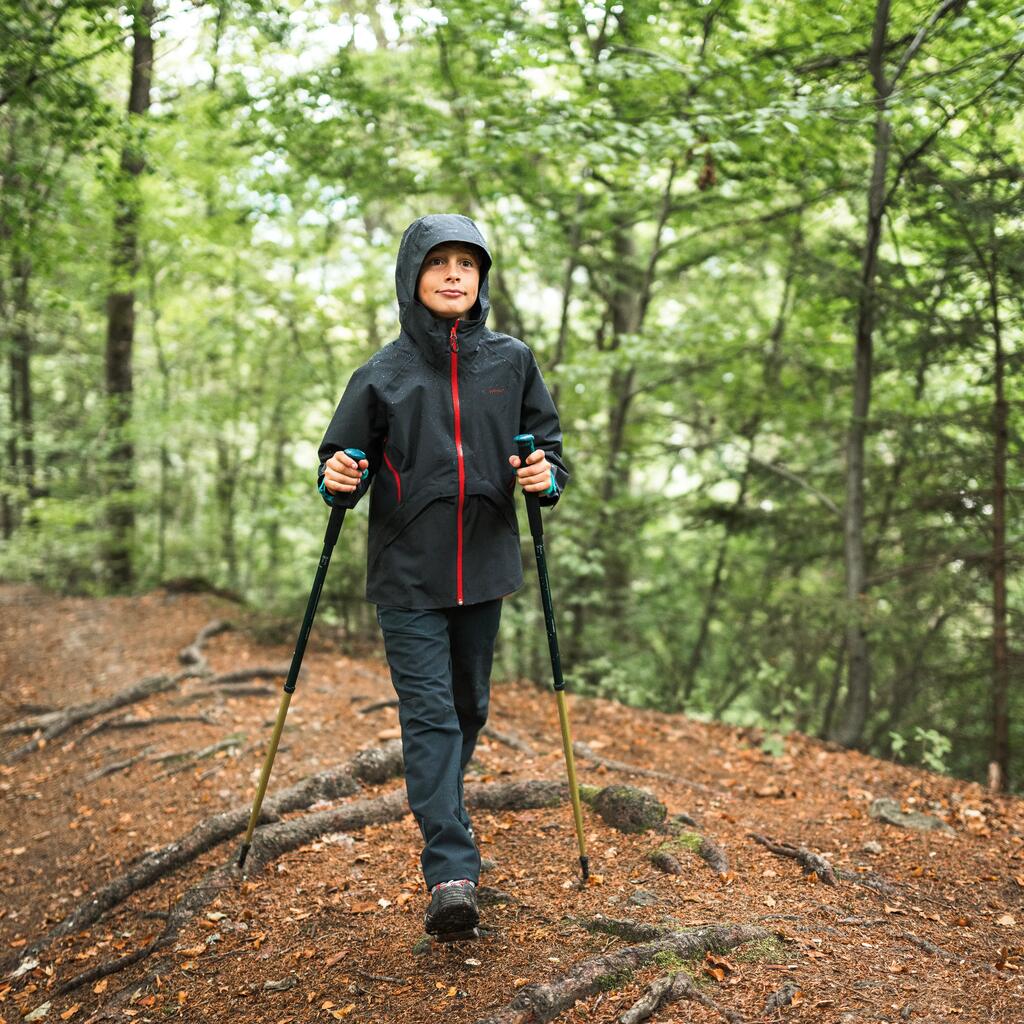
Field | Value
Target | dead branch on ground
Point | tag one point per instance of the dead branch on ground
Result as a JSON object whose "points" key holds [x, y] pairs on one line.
{"points": [[810, 862]]}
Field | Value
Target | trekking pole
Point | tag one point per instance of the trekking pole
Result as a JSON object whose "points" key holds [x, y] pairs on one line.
{"points": [[330, 539], [526, 448]]}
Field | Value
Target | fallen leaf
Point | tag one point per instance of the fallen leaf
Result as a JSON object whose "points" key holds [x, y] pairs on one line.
{"points": [[769, 901], [1006, 920], [893, 910], [70, 1011], [520, 982], [362, 908], [343, 1012], [101, 986]]}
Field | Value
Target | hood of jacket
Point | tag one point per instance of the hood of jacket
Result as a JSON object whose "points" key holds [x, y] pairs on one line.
{"points": [[430, 332]]}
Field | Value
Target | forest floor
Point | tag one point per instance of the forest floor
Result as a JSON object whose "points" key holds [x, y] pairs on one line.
{"points": [[327, 923]]}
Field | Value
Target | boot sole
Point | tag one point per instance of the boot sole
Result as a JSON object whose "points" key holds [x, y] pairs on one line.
{"points": [[463, 936]]}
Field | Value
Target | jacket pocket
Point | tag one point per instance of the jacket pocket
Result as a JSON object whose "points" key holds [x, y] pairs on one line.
{"points": [[501, 501], [399, 521]]}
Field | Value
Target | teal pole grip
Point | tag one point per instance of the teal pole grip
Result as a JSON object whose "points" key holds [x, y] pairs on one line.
{"points": [[527, 447], [358, 454], [334, 523]]}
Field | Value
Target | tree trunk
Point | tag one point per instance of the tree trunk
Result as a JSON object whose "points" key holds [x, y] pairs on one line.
{"points": [[851, 727], [121, 313], [1000, 746]]}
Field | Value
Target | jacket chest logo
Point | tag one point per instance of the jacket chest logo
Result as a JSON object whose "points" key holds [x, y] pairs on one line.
{"points": [[495, 391]]}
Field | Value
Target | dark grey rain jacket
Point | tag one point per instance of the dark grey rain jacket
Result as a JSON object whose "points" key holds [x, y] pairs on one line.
{"points": [[436, 412]]}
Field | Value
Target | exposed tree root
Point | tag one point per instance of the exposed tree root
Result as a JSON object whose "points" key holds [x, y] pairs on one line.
{"points": [[379, 705], [582, 750], [370, 766], [235, 691], [59, 722], [140, 722], [665, 858], [670, 989], [812, 863], [247, 675], [779, 998], [52, 724], [118, 766], [509, 740], [879, 886], [631, 931], [666, 861], [273, 840], [193, 654], [713, 855], [188, 758], [536, 1004], [928, 947], [516, 796]]}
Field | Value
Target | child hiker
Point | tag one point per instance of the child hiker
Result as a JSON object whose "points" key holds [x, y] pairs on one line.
{"points": [[435, 412]]}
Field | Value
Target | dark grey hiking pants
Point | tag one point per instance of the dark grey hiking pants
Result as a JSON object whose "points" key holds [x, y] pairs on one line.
{"points": [[440, 662]]}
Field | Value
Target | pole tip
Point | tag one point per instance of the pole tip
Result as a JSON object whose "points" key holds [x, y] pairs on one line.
{"points": [[585, 867], [242, 854]]}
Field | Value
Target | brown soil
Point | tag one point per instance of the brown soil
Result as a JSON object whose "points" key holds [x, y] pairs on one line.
{"points": [[332, 925]]}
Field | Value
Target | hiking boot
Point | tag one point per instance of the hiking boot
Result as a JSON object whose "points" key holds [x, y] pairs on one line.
{"points": [[452, 908]]}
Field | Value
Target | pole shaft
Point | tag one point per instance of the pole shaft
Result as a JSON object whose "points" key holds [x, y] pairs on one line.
{"points": [[570, 767], [330, 539]]}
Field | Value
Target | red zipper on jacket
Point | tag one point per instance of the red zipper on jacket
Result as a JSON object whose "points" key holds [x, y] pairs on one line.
{"points": [[453, 351]]}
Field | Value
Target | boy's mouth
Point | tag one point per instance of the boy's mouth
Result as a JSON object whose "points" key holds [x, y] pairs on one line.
{"points": [[450, 293]]}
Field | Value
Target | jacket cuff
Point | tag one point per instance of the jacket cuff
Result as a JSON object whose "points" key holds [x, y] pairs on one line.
{"points": [[552, 494], [324, 493]]}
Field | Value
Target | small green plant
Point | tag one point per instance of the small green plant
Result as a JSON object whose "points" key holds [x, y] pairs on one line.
{"points": [[934, 747]]}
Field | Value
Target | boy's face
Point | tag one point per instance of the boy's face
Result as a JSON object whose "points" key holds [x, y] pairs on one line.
{"points": [[449, 280]]}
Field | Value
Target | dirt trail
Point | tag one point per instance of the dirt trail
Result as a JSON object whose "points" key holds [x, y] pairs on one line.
{"points": [[921, 925]]}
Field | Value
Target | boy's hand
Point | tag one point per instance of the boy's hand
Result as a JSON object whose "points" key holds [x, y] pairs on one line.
{"points": [[535, 475], [342, 473]]}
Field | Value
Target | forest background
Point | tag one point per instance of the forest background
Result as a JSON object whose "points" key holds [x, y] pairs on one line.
{"points": [[769, 257]]}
